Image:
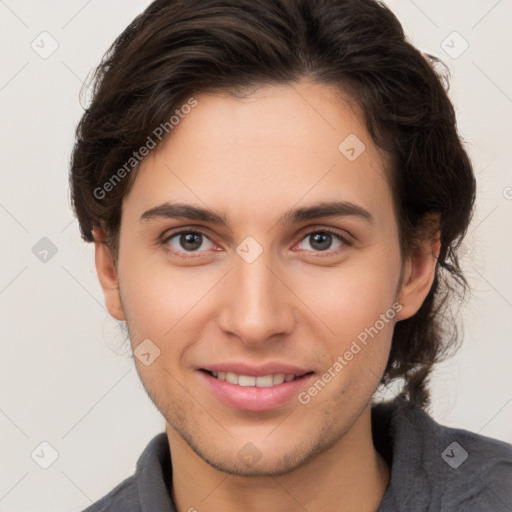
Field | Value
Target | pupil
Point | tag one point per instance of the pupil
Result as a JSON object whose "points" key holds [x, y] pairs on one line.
{"points": [[188, 242], [318, 238]]}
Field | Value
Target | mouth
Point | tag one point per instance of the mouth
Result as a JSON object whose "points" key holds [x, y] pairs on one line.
{"points": [[260, 381], [266, 391]]}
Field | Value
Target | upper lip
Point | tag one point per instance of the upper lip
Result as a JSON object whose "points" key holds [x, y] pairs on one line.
{"points": [[271, 368]]}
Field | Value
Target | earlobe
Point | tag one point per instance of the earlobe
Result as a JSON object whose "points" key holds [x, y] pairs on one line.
{"points": [[418, 277], [107, 276]]}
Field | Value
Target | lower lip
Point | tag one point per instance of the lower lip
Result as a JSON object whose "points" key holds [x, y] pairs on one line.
{"points": [[253, 398]]}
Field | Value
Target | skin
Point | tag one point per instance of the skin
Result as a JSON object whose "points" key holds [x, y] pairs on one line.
{"points": [[252, 159]]}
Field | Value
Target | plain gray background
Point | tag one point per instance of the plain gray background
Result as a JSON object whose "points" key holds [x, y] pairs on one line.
{"points": [[67, 379]]}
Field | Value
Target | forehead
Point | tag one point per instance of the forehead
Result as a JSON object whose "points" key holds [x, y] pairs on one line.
{"points": [[278, 146]]}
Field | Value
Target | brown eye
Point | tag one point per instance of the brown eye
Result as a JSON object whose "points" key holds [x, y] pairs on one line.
{"points": [[322, 240], [190, 241], [187, 241]]}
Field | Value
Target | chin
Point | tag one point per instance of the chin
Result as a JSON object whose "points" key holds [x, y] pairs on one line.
{"points": [[278, 464]]}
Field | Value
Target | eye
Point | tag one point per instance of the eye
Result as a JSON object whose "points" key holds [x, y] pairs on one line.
{"points": [[321, 240], [187, 241]]}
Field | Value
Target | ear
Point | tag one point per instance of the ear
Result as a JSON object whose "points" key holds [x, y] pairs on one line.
{"points": [[107, 274], [419, 275]]}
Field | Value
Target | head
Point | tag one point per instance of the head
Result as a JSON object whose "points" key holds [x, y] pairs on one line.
{"points": [[251, 110]]}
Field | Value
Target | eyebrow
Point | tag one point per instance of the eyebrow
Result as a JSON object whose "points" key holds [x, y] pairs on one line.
{"points": [[294, 216]]}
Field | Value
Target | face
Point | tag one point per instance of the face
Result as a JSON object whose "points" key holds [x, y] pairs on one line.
{"points": [[253, 294]]}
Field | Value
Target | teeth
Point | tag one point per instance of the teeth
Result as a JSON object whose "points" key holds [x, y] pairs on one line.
{"points": [[232, 377], [263, 381], [278, 379]]}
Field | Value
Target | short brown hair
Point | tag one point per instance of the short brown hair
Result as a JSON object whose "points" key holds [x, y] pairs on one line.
{"points": [[177, 48]]}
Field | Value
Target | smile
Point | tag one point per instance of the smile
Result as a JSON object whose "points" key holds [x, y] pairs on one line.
{"points": [[256, 393]]}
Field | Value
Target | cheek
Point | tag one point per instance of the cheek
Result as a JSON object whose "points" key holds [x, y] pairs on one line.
{"points": [[356, 302], [156, 297], [352, 297]]}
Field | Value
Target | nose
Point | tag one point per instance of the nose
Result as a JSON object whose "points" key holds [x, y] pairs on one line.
{"points": [[257, 305]]}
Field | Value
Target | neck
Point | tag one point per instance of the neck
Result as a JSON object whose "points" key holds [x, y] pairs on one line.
{"points": [[349, 476]]}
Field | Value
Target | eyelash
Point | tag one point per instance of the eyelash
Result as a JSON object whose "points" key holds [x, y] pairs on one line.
{"points": [[167, 237]]}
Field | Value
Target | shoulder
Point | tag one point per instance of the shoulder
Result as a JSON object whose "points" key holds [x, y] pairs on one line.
{"points": [[479, 471], [435, 467], [123, 498], [147, 488]]}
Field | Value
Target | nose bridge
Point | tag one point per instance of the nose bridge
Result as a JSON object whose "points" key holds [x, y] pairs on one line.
{"points": [[257, 301]]}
